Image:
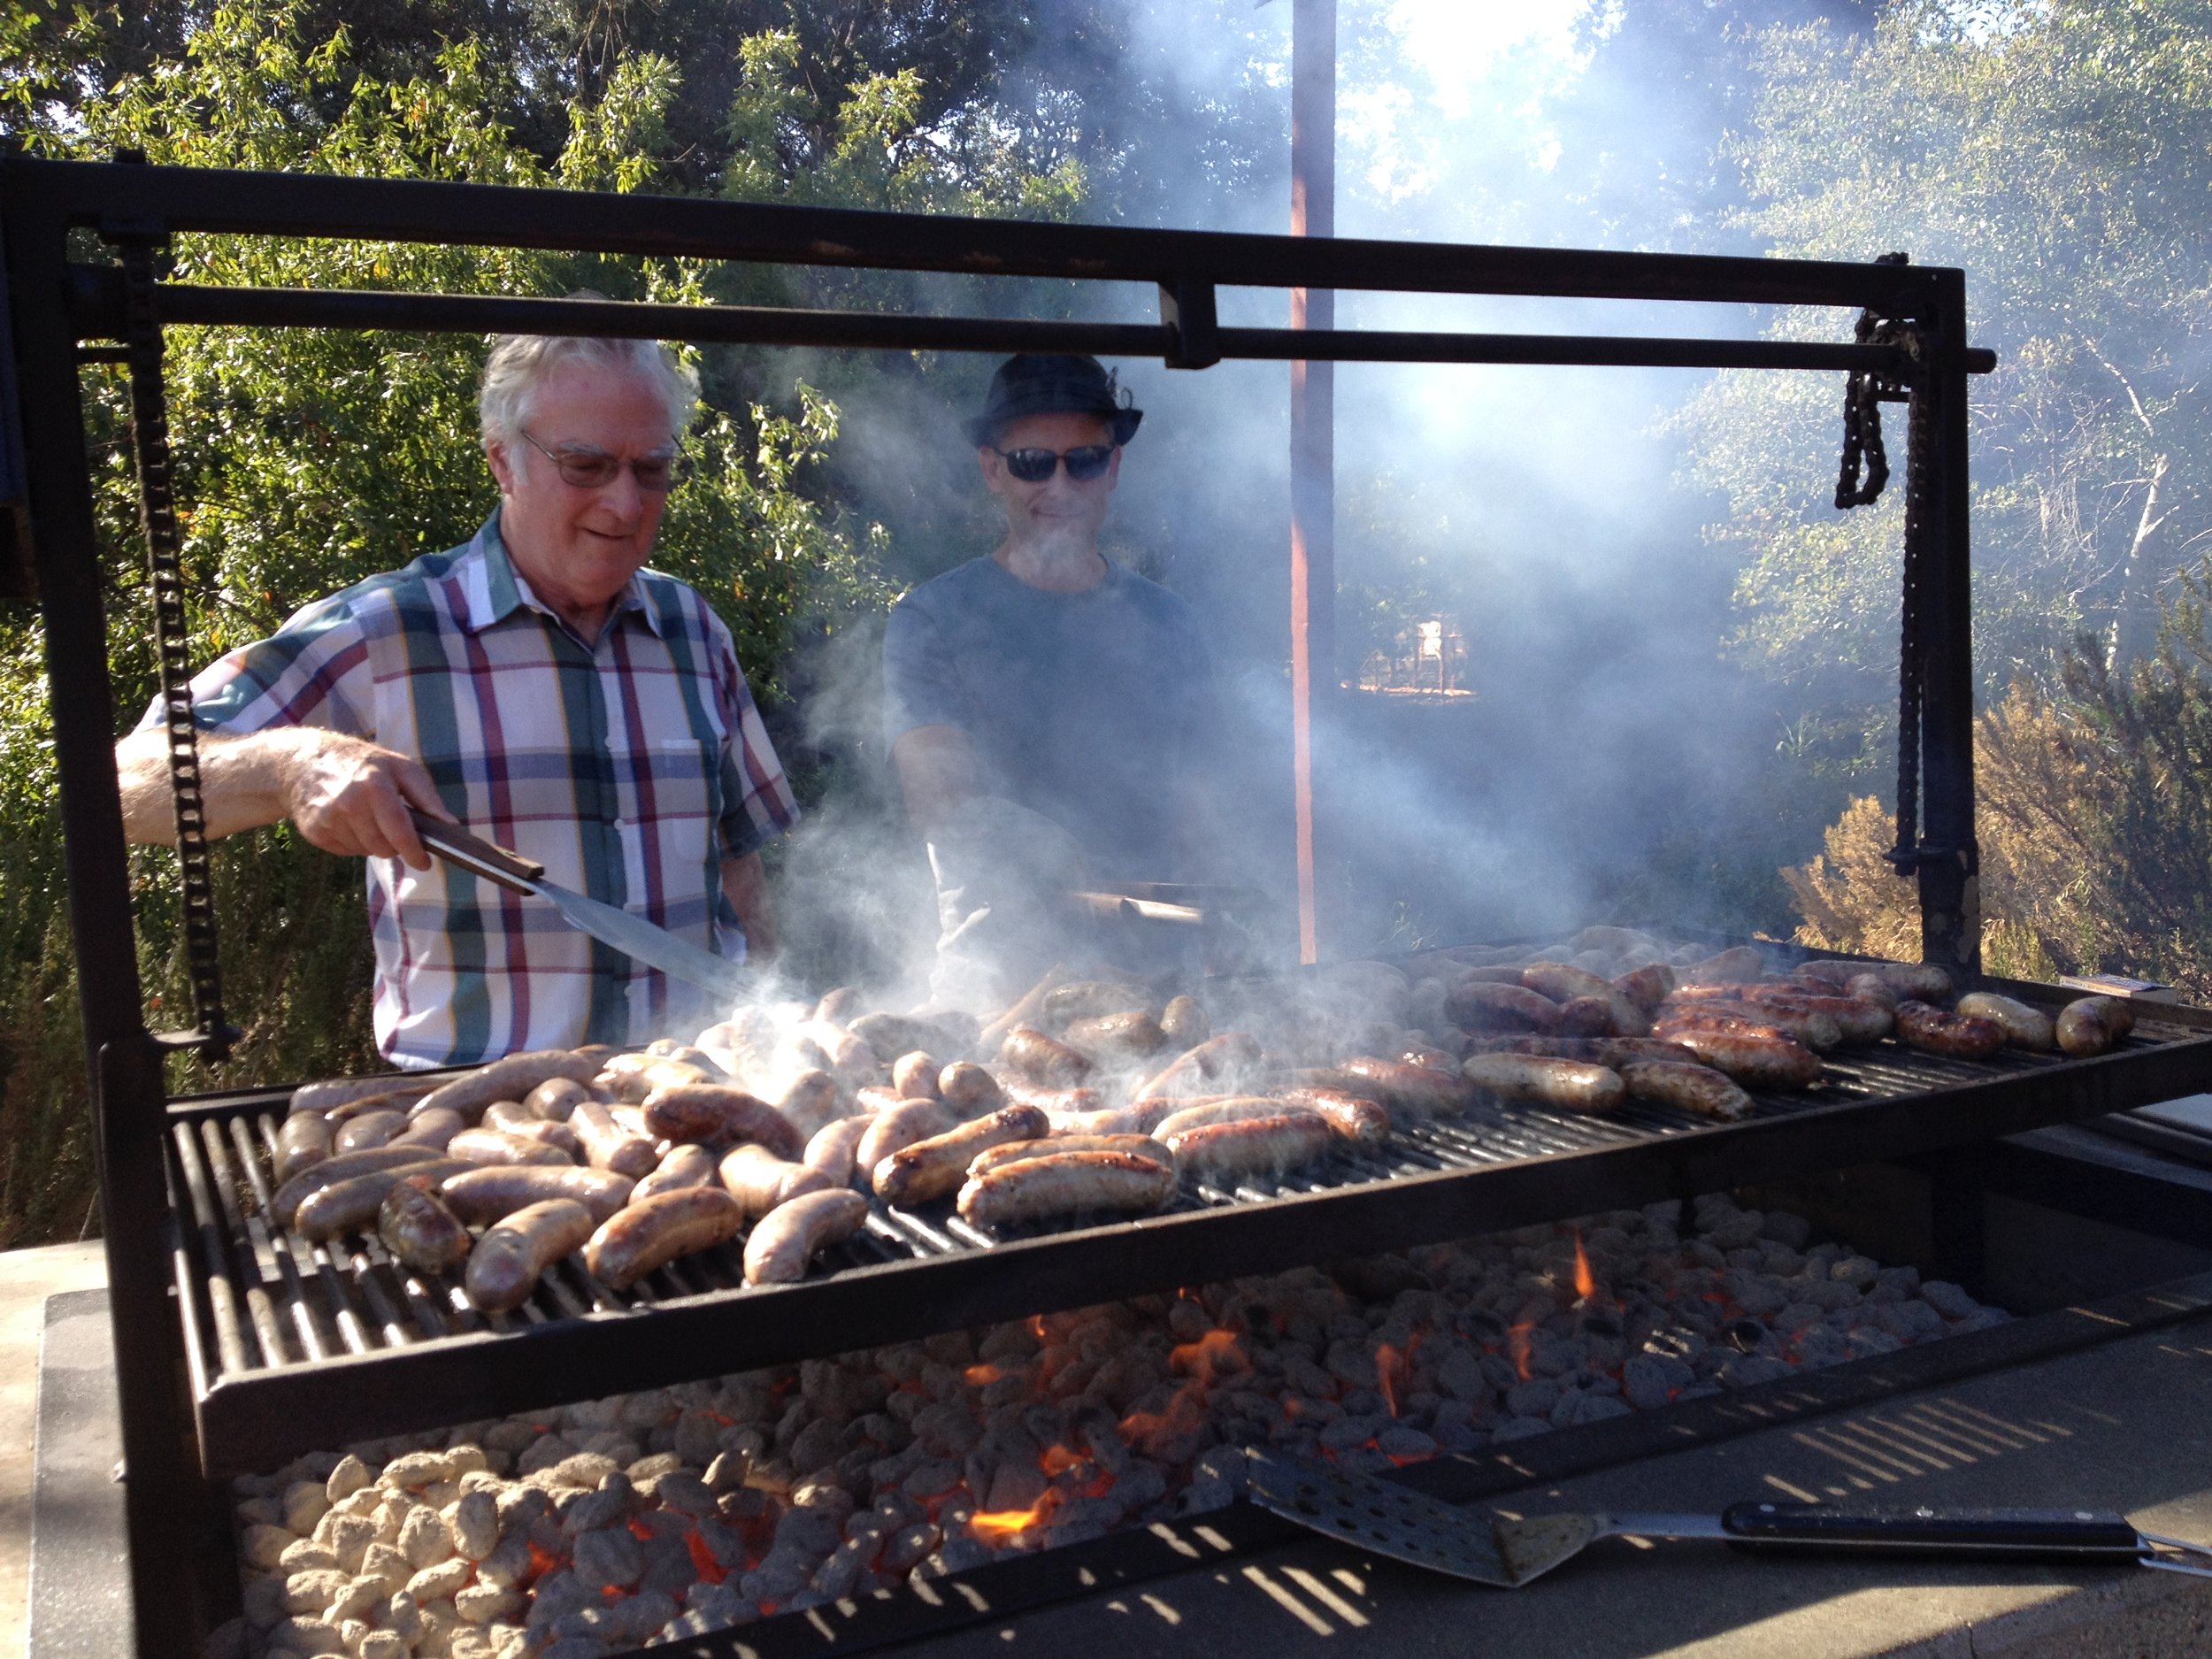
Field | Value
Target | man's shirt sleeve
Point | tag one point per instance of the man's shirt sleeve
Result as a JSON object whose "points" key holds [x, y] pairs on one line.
{"points": [[921, 686], [313, 671], [756, 798]]}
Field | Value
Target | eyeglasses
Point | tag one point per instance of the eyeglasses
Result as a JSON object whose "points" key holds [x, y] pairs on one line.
{"points": [[1034, 467], [656, 474]]}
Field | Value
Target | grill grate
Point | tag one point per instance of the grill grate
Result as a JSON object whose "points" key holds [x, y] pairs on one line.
{"points": [[277, 1321]]}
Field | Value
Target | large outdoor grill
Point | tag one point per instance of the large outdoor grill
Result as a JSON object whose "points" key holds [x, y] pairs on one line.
{"points": [[279, 1344]]}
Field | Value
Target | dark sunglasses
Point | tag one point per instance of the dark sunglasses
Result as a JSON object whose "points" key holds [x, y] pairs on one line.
{"points": [[1034, 467], [656, 474]]}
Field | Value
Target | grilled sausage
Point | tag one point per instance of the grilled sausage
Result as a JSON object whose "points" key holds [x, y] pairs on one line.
{"points": [[1067, 1183], [642, 1236], [1872, 987], [1857, 1020], [1190, 1071], [284, 1205], [915, 1075], [1916, 981], [1042, 1059], [497, 1146], [1477, 1005], [901, 1125], [490, 1193], [1139, 1118], [1253, 1146], [1355, 1117], [303, 1139], [552, 1134], [1415, 1089], [852, 1058], [608, 1144], [504, 1266], [555, 1099], [1816, 1032], [1693, 1088], [832, 1148], [903, 1034], [838, 1005], [789, 1237], [2093, 1025], [1835, 973], [509, 1115], [339, 1116], [684, 1164], [630, 1077], [1184, 1022], [2025, 1028], [1757, 1056], [1598, 1016], [434, 1128], [322, 1097], [1961, 1036], [1613, 1052], [1081, 999], [1570, 1084], [935, 1167], [1059, 1145], [351, 1205], [811, 1099], [1229, 1109], [1564, 984], [1129, 1035], [1741, 965], [418, 1230], [760, 1180], [969, 1089], [510, 1079], [716, 1112], [1647, 986], [370, 1129]]}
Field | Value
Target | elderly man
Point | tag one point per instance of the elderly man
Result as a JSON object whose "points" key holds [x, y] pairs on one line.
{"points": [[543, 687], [1046, 707]]}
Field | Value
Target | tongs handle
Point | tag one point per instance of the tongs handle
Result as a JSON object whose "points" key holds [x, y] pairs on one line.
{"points": [[478, 857], [2062, 1534]]}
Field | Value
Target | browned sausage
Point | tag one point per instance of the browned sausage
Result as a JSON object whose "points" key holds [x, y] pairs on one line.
{"points": [[608, 1144], [418, 1230], [1139, 1118], [1857, 1020], [1872, 987], [760, 1180], [633, 1242], [510, 1079], [1233, 1108], [1042, 1059], [370, 1129], [1056, 1145], [1694, 1088], [1056, 1102], [1961, 1036], [1184, 1022], [555, 1098], [351, 1205], [1741, 965], [1081, 999], [1417, 1089], [1564, 984], [1835, 972], [1253, 1146], [901, 1034], [303, 1139], [342, 1166], [838, 1004], [1569, 1085], [630, 1077], [1916, 981], [497, 1146], [1189, 1072], [969, 1089], [915, 1075], [485, 1194], [1068, 1182], [900, 1125], [1647, 986], [685, 1165], [1690, 1006], [1607, 1051], [811, 1099], [435, 1128], [1125, 1036], [504, 1267], [2025, 1028], [790, 1236], [1595, 1017], [323, 1097], [935, 1167], [1757, 1056], [1355, 1117], [718, 1113], [1477, 1005], [2093, 1025], [832, 1148]]}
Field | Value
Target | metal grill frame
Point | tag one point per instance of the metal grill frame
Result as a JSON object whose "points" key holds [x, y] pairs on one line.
{"points": [[53, 307]]}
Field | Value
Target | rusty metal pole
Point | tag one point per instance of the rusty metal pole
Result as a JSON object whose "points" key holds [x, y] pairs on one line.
{"points": [[1312, 442]]}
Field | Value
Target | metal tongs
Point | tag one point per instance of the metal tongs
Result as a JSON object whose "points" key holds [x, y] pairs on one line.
{"points": [[1426, 1532]]}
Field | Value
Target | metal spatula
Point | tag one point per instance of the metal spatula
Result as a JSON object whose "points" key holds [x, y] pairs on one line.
{"points": [[1410, 1526]]}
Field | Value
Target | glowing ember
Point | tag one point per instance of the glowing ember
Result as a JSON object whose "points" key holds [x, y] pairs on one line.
{"points": [[981, 1375], [1586, 1281], [1517, 1346], [1389, 1366], [1058, 1460], [1213, 1355], [1003, 1526]]}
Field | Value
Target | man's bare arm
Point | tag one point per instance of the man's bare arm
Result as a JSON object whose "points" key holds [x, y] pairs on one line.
{"points": [[745, 883], [346, 795], [938, 773]]}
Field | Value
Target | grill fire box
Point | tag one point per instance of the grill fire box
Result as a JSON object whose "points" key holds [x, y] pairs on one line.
{"points": [[234, 1348]]}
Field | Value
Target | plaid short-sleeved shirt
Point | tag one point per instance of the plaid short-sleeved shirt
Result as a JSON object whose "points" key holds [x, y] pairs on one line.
{"points": [[630, 768]]}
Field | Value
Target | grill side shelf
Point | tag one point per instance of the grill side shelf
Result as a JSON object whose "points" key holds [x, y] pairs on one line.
{"points": [[411, 1356]]}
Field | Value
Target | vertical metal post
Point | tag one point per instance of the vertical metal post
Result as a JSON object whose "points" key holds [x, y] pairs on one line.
{"points": [[1950, 883], [162, 1494], [1312, 442]]}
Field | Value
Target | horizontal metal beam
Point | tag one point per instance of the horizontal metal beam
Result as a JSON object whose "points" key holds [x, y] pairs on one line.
{"points": [[98, 299], [191, 199]]}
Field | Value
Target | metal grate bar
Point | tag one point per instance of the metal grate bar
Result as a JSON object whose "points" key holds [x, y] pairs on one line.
{"points": [[268, 1331]]}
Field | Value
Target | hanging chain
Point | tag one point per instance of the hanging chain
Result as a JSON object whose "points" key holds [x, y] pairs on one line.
{"points": [[1859, 483], [157, 517]]}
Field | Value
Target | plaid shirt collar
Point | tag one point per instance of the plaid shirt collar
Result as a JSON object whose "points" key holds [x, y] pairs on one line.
{"points": [[494, 590]]}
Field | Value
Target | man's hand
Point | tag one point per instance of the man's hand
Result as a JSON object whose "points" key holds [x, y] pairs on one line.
{"points": [[745, 883], [938, 774], [347, 795]]}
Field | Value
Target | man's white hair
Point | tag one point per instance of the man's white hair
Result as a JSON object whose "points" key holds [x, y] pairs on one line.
{"points": [[520, 362]]}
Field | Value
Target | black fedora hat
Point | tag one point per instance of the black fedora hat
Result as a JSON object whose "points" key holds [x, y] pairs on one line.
{"points": [[1046, 383]]}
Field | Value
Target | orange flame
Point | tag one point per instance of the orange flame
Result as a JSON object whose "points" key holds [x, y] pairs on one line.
{"points": [[1516, 1345], [1002, 1526], [979, 1376], [1058, 1460], [1586, 1281], [1388, 1365], [1213, 1355]]}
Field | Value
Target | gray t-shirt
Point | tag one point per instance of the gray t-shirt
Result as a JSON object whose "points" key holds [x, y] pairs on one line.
{"points": [[1090, 708]]}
